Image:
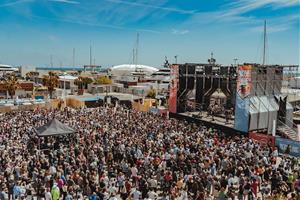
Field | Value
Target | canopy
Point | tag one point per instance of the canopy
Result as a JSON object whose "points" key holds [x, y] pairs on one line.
{"points": [[54, 128]]}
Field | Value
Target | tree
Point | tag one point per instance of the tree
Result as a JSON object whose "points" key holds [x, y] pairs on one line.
{"points": [[32, 75], [51, 82], [82, 82], [11, 84], [86, 81], [103, 80], [151, 94], [79, 82]]}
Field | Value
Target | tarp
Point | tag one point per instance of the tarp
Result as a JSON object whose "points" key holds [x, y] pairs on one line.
{"points": [[263, 111], [54, 128]]}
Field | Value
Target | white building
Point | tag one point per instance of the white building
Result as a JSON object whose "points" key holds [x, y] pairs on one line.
{"points": [[25, 69], [130, 69], [67, 81]]}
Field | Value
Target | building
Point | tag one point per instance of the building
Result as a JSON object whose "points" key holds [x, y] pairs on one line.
{"points": [[25, 90], [4, 69], [25, 69]]}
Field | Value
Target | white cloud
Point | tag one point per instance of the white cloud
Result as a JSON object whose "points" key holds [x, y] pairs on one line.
{"points": [[53, 38], [238, 13], [243, 6], [169, 9], [179, 32], [65, 1], [15, 3], [85, 23]]}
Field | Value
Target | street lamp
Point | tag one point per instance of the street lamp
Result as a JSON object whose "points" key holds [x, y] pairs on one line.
{"points": [[65, 103]]}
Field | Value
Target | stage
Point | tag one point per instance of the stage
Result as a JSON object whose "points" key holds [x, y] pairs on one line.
{"points": [[203, 118]]}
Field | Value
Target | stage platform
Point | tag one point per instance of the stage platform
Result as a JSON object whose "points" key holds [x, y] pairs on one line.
{"points": [[207, 120]]}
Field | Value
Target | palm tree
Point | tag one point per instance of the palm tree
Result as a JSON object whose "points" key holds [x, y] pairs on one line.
{"points": [[86, 81], [79, 82], [11, 84], [32, 75], [51, 82], [82, 83]]}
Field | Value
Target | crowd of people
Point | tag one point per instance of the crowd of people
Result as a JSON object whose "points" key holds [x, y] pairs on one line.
{"points": [[125, 154]]}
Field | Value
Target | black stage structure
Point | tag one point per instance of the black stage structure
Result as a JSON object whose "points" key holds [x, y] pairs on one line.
{"points": [[207, 94], [198, 82]]}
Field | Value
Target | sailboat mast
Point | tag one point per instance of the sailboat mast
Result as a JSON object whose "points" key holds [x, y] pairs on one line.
{"points": [[90, 55], [265, 38], [137, 48], [133, 56], [73, 63]]}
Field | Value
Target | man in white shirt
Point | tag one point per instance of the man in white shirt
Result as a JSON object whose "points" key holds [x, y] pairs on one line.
{"points": [[48, 195], [152, 195]]}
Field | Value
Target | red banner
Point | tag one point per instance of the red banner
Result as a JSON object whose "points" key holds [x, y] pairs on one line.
{"points": [[262, 138], [173, 89]]}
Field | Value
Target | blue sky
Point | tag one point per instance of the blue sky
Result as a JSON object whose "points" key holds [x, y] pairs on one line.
{"points": [[32, 30]]}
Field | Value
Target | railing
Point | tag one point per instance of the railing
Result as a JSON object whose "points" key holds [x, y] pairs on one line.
{"points": [[288, 127]]}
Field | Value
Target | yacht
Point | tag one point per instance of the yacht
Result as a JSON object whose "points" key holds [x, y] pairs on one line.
{"points": [[7, 68]]}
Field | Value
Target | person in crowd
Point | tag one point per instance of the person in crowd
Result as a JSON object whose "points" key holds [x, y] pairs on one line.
{"points": [[116, 153]]}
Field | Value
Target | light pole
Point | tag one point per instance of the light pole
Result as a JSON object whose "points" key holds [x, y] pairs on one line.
{"points": [[235, 61], [176, 59], [65, 103]]}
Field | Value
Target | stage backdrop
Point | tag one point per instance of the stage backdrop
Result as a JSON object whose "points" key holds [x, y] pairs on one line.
{"points": [[173, 89], [244, 85]]}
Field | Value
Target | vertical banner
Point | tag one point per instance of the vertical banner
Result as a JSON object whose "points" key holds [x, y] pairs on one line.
{"points": [[298, 132], [173, 89], [244, 84]]}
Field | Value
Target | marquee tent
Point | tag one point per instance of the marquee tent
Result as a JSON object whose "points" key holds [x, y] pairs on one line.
{"points": [[54, 128]]}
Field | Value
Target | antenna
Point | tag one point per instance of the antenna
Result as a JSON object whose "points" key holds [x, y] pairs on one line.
{"points": [[235, 61], [166, 64], [176, 59], [212, 60], [51, 61], [265, 40]]}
